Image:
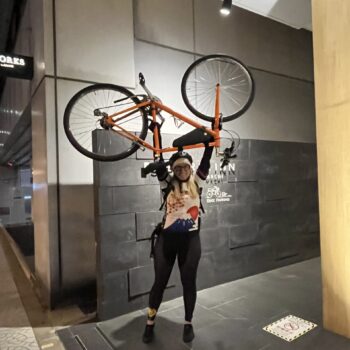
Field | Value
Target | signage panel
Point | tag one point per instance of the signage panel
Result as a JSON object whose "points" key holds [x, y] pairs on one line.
{"points": [[16, 66]]}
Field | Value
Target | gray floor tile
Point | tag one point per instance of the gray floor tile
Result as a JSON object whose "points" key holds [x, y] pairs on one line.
{"points": [[212, 297], [201, 317], [93, 338], [167, 305], [251, 311], [229, 335], [128, 335], [232, 316]]}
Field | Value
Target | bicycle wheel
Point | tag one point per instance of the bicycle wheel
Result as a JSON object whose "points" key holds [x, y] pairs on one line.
{"points": [[84, 127], [199, 83]]}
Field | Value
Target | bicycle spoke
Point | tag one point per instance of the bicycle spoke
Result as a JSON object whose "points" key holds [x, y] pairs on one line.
{"points": [[84, 110], [234, 100], [80, 138], [86, 104], [81, 123], [199, 86], [203, 98], [80, 115]]}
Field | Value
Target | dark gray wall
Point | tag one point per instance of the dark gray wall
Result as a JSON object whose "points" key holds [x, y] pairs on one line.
{"points": [[270, 219]]}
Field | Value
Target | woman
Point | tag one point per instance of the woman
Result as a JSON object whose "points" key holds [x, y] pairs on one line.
{"points": [[179, 236]]}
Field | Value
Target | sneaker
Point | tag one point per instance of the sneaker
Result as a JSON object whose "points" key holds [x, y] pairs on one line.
{"points": [[148, 333], [188, 334]]}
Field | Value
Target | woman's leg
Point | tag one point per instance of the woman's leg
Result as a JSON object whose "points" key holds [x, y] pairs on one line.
{"points": [[188, 259], [163, 266]]}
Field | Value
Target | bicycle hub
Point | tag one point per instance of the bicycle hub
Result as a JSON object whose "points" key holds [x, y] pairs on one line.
{"points": [[104, 122]]}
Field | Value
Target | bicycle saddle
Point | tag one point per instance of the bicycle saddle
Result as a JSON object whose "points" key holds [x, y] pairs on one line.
{"points": [[193, 137]]}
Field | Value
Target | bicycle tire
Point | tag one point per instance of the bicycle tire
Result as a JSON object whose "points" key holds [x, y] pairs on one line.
{"points": [[199, 82], [80, 112]]}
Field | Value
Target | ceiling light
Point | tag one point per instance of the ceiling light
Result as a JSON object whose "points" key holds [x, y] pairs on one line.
{"points": [[226, 7]]}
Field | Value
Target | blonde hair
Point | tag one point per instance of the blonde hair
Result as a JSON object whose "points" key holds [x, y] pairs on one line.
{"points": [[192, 188]]}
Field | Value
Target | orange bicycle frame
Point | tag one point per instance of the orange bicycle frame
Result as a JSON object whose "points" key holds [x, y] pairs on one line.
{"points": [[156, 106]]}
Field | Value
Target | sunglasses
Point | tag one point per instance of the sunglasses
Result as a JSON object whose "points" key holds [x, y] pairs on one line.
{"points": [[178, 168]]}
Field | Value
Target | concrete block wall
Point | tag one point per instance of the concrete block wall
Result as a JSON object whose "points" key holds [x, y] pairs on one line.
{"points": [[260, 216]]}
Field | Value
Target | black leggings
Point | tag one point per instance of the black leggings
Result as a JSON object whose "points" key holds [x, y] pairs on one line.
{"points": [[187, 248]]}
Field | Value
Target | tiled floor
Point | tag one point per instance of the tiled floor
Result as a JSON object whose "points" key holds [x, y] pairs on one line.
{"points": [[229, 316], [17, 338], [24, 323], [15, 328]]}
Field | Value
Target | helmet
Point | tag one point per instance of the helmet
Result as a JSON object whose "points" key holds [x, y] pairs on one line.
{"points": [[180, 158]]}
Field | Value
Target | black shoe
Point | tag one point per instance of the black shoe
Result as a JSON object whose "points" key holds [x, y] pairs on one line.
{"points": [[148, 333], [188, 334]]}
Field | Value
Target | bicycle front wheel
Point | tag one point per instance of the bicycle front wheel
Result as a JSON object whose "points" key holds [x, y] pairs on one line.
{"points": [[198, 87], [86, 131]]}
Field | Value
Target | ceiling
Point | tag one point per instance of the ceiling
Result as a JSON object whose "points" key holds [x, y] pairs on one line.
{"points": [[15, 147], [294, 13]]}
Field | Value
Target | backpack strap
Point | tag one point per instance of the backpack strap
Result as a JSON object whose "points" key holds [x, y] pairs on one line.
{"points": [[200, 190], [166, 192]]}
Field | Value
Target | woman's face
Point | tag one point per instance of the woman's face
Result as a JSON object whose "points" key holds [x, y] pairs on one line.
{"points": [[182, 172]]}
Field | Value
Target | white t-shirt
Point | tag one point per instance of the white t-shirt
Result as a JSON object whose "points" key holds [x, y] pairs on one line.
{"points": [[182, 214]]}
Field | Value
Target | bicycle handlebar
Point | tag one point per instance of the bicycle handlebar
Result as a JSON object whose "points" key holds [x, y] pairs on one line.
{"points": [[150, 168]]}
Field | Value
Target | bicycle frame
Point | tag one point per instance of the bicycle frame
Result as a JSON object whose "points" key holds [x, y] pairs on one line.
{"points": [[156, 106]]}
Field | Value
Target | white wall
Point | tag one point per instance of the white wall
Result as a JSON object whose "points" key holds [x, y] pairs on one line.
{"points": [[95, 41]]}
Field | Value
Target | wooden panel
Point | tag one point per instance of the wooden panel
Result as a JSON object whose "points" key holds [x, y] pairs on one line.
{"points": [[331, 29]]}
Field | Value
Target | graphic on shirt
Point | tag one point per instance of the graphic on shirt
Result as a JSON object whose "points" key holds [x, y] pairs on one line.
{"points": [[193, 211], [182, 213]]}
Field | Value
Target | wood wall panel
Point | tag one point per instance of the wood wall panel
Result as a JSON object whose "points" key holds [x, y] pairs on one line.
{"points": [[331, 29]]}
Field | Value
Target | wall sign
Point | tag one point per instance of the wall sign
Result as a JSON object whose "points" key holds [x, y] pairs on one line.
{"points": [[16, 66], [219, 175], [215, 195]]}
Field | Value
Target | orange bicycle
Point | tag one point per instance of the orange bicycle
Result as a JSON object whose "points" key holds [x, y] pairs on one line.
{"points": [[216, 88]]}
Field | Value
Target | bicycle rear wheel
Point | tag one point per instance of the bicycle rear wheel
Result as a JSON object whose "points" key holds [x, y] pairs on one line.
{"points": [[84, 127], [236, 87]]}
